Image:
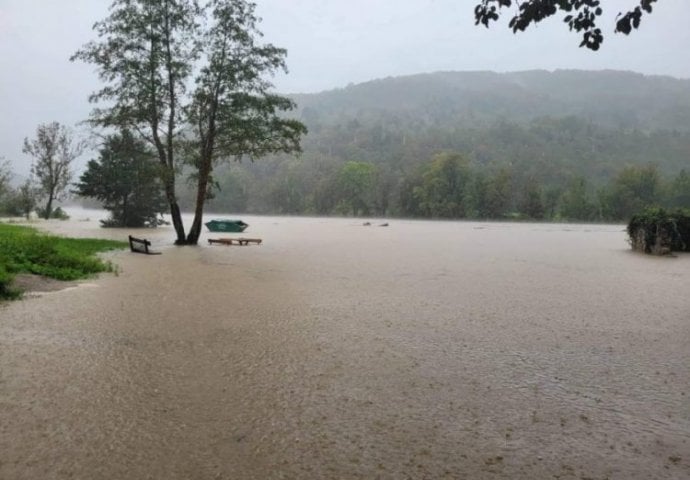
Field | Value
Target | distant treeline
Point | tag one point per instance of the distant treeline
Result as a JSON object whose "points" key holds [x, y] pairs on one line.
{"points": [[447, 186], [548, 169]]}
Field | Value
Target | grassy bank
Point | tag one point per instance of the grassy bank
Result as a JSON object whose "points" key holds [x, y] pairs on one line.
{"points": [[25, 250]]}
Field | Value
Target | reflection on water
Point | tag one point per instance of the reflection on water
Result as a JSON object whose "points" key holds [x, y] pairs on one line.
{"points": [[337, 350]]}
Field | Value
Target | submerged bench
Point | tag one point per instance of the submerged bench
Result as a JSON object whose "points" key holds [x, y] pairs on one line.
{"points": [[234, 241], [140, 245]]}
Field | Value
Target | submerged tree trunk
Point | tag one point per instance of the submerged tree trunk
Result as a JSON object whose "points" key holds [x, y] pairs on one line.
{"points": [[206, 149], [175, 213], [202, 188], [195, 230], [49, 207]]}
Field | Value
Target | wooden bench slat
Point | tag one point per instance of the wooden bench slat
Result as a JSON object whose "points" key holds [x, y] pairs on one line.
{"points": [[141, 245], [235, 241]]}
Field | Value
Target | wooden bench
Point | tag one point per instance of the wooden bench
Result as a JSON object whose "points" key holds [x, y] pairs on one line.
{"points": [[234, 241], [140, 245]]}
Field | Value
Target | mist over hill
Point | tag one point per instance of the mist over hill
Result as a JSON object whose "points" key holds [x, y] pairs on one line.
{"points": [[610, 99], [375, 147]]}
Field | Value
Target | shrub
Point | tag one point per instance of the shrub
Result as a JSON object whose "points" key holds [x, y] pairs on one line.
{"points": [[659, 232], [6, 290], [57, 213]]}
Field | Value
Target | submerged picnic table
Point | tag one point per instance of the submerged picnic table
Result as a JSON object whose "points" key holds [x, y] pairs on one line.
{"points": [[234, 241]]}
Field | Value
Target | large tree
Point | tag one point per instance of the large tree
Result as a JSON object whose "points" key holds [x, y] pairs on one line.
{"points": [[53, 150], [633, 189], [580, 15], [190, 79], [443, 186], [126, 179], [354, 188]]}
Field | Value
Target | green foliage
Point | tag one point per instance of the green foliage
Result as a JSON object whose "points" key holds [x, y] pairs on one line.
{"points": [[633, 189], [26, 198], [505, 128], [53, 149], [172, 66], [232, 190], [532, 203], [56, 213], [24, 250], [575, 203], [354, 185], [659, 231], [8, 195], [5, 176], [679, 191], [575, 107], [442, 188], [126, 178], [6, 290], [19, 202]]}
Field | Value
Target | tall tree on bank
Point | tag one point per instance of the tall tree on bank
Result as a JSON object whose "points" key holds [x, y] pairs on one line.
{"points": [[580, 15], [232, 110], [54, 149], [145, 57], [188, 79]]}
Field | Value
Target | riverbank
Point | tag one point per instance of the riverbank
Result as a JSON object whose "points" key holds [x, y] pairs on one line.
{"points": [[333, 350], [39, 258]]}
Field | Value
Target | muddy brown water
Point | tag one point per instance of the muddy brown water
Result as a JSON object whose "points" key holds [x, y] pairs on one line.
{"points": [[421, 350]]}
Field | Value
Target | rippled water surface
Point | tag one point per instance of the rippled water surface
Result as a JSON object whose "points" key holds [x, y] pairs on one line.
{"points": [[422, 350]]}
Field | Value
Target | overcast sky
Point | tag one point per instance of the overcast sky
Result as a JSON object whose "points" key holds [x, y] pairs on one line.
{"points": [[330, 43]]}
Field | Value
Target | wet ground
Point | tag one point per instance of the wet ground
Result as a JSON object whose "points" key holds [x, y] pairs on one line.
{"points": [[421, 350]]}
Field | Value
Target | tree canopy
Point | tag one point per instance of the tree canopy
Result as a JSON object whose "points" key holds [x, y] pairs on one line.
{"points": [[53, 149], [581, 16], [126, 179], [191, 80]]}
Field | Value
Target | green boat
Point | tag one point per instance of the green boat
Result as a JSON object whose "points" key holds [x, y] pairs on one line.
{"points": [[226, 226]]}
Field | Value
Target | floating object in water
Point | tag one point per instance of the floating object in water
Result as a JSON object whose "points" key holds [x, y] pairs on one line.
{"points": [[226, 225], [234, 241]]}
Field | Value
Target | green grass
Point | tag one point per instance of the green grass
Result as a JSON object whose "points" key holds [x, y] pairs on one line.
{"points": [[25, 250]]}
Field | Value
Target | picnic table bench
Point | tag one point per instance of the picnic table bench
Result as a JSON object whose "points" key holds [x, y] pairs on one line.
{"points": [[234, 241], [141, 245]]}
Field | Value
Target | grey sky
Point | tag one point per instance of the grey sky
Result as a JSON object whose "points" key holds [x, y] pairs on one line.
{"points": [[330, 43]]}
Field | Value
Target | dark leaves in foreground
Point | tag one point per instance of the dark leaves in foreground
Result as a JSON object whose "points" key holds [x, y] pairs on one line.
{"points": [[582, 16]]}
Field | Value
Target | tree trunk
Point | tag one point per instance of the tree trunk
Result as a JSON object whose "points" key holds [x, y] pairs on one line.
{"points": [[202, 186], [49, 207], [124, 222], [175, 213], [176, 216]]}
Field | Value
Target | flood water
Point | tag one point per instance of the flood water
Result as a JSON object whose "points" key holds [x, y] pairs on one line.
{"points": [[421, 350]]}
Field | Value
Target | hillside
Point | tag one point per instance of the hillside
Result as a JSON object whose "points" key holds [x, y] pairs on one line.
{"points": [[610, 99], [374, 148]]}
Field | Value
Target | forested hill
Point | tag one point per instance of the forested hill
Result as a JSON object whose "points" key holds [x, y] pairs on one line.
{"points": [[562, 145], [610, 98]]}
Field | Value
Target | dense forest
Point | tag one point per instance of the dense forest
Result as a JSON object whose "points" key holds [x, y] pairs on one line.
{"points": [[570, 145]]}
